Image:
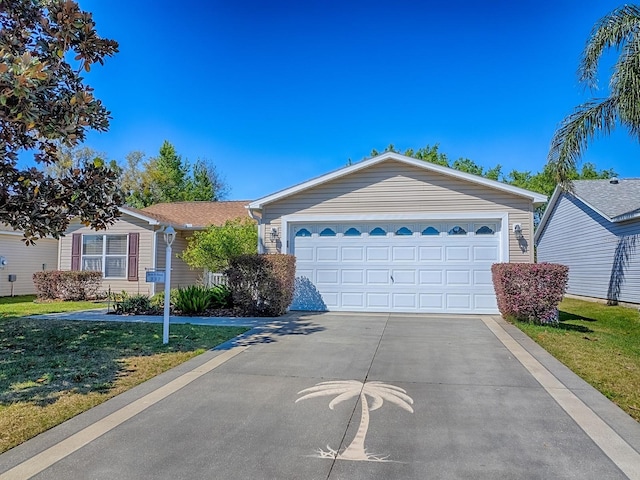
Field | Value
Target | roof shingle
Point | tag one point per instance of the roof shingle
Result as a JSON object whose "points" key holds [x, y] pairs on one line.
{"points": [[195, 214], [612, 199]]}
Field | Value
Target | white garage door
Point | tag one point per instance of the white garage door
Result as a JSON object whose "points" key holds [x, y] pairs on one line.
{"points": [[429, 267]]}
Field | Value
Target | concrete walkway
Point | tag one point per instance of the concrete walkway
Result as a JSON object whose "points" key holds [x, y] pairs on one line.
{"points": [[101, 315], [335, 396]]}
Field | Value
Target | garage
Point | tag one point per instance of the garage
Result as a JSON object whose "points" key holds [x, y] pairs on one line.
{"points": [[397, 234], [437, 266]]}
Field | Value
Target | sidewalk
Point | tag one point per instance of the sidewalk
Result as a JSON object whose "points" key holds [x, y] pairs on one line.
{"points": [[101, 315]]}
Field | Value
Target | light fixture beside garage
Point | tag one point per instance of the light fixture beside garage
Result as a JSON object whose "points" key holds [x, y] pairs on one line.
{"points": [[274, 234], [517, 230]]}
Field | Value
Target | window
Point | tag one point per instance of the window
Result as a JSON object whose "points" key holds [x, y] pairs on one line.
{"points": [[457, 230], [327, 232], [430, 231], [106, 254], [303, 232], [404, 231], [378, 232], [485, 230], [352, 232]]}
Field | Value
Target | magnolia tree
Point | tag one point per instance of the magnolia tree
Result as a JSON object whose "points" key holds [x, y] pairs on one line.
{"points": [[45, 45], [215, 247]]}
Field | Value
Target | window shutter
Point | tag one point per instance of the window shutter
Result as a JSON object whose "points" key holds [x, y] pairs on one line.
{"points": [[132, 264], [76, 251]]}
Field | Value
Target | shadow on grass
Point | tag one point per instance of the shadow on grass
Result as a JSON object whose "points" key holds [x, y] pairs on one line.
{"points": [[566, 316], [44, 360]]}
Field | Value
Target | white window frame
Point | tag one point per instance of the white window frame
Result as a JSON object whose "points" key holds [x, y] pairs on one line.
{"points": [[104, 255]]}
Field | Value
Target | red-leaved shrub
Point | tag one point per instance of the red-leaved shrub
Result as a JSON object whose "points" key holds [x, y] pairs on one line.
{"points": [[262, 284], [529, 292], [67, 285]]}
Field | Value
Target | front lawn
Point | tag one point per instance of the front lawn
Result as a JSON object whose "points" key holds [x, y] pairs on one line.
{"points": [[51, 370], [599, 343], [22, 305]]}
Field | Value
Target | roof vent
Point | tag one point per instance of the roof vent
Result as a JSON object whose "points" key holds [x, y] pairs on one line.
{"points": [[189, 225], [613, 181]]}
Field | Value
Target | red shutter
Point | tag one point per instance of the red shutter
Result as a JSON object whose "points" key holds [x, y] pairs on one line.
{"points": [[134, 240], [76, 251]]}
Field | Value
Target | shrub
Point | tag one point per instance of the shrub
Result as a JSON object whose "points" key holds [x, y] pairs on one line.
{"points": [[123, 303], [157, 301], [67, 285], [193, 299], [221, 297], [262, 284], [529, 292]]}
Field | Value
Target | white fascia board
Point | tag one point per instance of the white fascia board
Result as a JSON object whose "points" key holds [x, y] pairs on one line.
{"points": [[547, 213], [151, 221], [536, 198]]}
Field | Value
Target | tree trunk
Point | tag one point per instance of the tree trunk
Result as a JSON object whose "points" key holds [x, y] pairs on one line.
{"points": [[355, 451]]}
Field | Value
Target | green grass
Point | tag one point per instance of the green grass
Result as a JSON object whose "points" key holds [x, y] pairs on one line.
{"points": [[601, 344], [51, 370], [22, 305]]}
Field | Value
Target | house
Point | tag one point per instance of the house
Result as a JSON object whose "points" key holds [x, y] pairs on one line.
{"points": [[134, 245], [595, 231], [19, 262], [396, 234]]}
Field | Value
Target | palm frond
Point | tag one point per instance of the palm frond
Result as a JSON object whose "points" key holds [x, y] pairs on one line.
{"points": [[342, 397], [613, 30], [575, 132], [625, 85], [323, 392]]}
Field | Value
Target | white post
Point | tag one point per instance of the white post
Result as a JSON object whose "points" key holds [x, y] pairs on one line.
{"points": [[169, 237]]}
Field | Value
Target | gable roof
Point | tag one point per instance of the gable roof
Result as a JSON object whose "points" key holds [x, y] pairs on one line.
{"points": [[190, 215], [616, 202], [536, 198]]}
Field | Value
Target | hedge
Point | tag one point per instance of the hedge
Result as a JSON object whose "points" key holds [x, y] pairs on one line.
{"points": [[530, 292], [262, 285], [66, 285]]}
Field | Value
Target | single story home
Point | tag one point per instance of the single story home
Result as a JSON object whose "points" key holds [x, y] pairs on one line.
{"points": [[397, 234], [134, 245], [19, 262], [595, 231]]}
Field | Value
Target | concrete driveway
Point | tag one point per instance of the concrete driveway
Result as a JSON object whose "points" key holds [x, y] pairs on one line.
{"points": [[445, 398]]}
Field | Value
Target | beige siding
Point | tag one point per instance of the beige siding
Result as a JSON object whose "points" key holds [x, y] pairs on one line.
{"points": [[125, 225], [181, 274], [396, 188], [24, 261]]}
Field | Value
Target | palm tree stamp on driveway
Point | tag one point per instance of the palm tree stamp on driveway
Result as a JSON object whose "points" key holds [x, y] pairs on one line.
{"points": [[346, 389]]}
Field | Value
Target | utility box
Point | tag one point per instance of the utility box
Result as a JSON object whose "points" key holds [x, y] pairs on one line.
{"points": [[13, 278]]}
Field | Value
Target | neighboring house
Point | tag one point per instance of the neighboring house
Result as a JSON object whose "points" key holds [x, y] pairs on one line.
{"points": [[134, 244], [396, 234], [18, 262], [595, 232]]}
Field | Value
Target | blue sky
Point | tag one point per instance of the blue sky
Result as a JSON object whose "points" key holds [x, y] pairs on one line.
{"points": [[275, 93]]}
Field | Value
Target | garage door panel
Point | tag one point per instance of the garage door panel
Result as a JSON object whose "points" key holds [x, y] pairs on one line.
{"points": [[482, 277], [304, 254], [331, 300], [429, 254], [488, 253], [353, 299], [484, 302], [403, 254], [378, 300], [431, 301], [458, 277], [327, 277], [378, 277], [326, 254], [458, 301], [404, 277], [458, 253], [403, 300], [352, 254], [352, 277], [431, 277], [378, 254]]}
